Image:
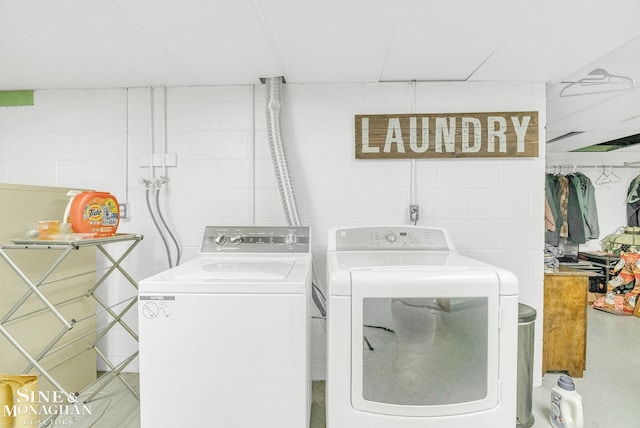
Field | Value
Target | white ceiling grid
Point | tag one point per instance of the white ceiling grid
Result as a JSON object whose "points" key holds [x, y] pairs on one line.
{"points": [[70, 44], [122, 43]]}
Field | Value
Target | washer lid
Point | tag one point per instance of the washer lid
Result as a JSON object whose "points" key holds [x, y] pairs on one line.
{"points": [[235, 269], [234, 274]]}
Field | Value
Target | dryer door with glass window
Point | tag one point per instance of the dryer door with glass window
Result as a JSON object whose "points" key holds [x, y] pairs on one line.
{"points": [[429, 340]]}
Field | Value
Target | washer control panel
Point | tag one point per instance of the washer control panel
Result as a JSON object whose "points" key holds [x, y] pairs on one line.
{"points": [[392, 238], [255, 239]]}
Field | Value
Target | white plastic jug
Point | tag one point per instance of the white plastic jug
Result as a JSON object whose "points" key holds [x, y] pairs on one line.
{"points": [[566, 405]]}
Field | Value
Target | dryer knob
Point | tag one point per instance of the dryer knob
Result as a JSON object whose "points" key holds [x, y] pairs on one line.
{"points": [[236, 240], [391, 237], [291, 239], [220, 239]]}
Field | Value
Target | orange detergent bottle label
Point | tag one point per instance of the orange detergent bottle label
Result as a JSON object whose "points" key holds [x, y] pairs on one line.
{"points": [[95, 212]]}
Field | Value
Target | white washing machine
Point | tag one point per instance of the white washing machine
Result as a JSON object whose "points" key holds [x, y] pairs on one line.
{"points": [[418, 335], [224, 338]]}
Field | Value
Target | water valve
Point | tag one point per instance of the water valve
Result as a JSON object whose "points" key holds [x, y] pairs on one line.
{"points": [[414, 213]]}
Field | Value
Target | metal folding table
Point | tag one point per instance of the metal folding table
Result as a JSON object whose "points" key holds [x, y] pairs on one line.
{"points": [[116, 312]]}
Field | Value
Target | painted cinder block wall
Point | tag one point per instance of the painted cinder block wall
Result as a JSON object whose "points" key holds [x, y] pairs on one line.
{"points": [[493, 208]]}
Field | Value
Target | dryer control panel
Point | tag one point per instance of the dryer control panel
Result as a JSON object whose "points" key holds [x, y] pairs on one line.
{"points": [[384, 238], [255, 239]]}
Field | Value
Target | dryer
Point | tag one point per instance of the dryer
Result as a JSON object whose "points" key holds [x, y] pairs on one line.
{"points": [[224, 338], [418, 335]]}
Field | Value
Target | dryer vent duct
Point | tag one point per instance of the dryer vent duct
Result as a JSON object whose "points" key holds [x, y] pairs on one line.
{"points": [[278, 154], [281, 169]]}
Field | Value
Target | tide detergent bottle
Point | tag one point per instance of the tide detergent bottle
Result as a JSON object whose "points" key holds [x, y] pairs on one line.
{"points": [[566, 405], [94, 212]]}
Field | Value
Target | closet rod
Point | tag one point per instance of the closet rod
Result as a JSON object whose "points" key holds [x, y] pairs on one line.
{"points": [[570, 165]]}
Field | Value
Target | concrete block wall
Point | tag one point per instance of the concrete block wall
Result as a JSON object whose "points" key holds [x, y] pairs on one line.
{"points": [[99, 138]]}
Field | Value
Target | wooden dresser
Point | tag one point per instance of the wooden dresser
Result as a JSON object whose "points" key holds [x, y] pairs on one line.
{"points": [[565, 321]]}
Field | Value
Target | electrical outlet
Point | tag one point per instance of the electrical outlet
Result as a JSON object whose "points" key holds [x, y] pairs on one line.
{"points": [[123, 210]]}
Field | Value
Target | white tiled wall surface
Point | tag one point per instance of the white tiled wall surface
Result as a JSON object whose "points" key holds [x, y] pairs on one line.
{"points": [[98, 138]]}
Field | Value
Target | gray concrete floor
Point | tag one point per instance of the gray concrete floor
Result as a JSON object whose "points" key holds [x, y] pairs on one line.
{"points": [[609, 387]]}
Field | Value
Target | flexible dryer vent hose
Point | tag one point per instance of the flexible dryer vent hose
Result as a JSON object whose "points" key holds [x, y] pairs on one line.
{"points": [[278, 154], [281, 169]]}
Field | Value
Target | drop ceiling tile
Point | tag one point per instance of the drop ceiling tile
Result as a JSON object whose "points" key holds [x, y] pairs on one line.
{"points": [[559, 38], [8, 84], [447, 40], [99, 38], [114, 43], [332, 40], [219, 42], [27, 63]]}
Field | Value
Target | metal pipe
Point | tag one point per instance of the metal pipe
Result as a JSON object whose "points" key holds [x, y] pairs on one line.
{"points": [[165, 147], [125, 189], [252, 157], [152, 171], [414, 208]]}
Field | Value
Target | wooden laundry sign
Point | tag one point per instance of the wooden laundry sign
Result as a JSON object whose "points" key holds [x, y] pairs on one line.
{"points": [[447, 135]]}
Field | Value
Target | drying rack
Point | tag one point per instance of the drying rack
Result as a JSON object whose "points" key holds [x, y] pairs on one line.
{"points": [[66, 247]]}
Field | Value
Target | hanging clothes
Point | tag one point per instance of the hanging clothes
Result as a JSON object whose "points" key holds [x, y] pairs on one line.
{"points": [[571, 201], [575, 220], [633, 202], [563, 183], [552, 200], [585, 193], [549, 221]]}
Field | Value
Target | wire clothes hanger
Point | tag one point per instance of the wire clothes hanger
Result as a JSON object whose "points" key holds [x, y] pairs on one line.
{"points": [[603, 178], [600, 81], [606, 176], [558, 168], [612, 176]]}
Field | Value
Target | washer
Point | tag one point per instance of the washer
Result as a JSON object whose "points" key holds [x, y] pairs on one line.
{"points": [[224, 338], [418, 335]]}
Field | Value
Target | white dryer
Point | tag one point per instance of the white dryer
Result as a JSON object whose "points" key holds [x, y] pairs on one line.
{"points": [[418, 335], [224, 338]]}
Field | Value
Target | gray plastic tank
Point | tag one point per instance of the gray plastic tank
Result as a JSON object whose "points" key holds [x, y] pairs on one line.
{"points": [[526, 333]]}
